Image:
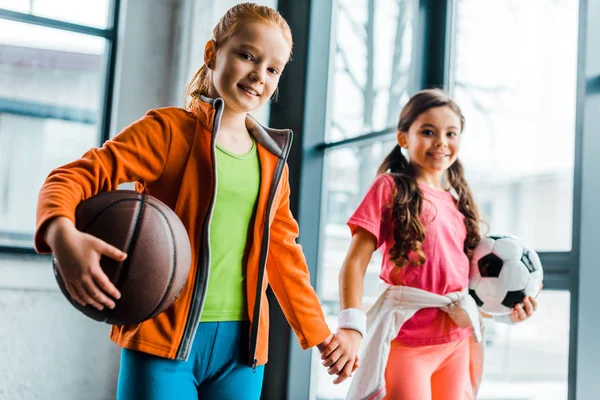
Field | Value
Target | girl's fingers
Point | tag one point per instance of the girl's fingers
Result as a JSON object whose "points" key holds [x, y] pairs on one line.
{"points": [[528, 307], [345, 373], [338, 366], [75, 294], [533, 302], [94, 295], [88, 298], [356, 364], [104, 283], [331, 347], [111, 251], [332, 359], [323, 345], [521, 312]]}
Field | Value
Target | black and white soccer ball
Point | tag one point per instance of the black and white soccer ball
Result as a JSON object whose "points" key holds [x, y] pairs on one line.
{"points": [[503, 272]]}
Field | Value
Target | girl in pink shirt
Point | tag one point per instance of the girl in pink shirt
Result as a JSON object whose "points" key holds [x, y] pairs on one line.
{"points": [[420, 212]]}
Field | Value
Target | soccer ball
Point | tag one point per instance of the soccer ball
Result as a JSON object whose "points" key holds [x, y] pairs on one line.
{"points": [[503, 272]]}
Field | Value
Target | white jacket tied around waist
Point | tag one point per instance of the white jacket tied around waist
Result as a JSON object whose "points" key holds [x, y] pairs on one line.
{"points": [[393, 308]]}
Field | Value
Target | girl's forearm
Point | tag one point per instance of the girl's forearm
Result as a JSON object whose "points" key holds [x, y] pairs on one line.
{"points": [[55, 228], [351, 286]]}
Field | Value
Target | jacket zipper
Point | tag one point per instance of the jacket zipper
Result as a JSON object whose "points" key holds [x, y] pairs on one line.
{"points": [[199, 291], [253, 361]]}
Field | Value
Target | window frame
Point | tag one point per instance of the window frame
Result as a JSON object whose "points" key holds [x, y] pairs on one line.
{"points": [[32, 109]]}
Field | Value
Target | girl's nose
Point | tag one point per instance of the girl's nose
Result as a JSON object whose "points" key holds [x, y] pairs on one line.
{"points": [[257, 76], [441, 141]]}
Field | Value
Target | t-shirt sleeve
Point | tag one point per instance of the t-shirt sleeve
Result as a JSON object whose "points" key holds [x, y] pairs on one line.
{"points": [[373, 213]]}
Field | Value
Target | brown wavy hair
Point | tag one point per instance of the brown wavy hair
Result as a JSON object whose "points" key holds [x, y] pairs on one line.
{"points": [[199, 85], [409, 232]]}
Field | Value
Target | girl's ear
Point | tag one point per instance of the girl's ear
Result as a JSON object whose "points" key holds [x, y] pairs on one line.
{"points": [[210, 52], [402, 141]]}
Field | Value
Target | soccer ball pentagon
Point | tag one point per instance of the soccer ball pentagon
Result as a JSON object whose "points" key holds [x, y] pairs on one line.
{"points": [[503, 272]]}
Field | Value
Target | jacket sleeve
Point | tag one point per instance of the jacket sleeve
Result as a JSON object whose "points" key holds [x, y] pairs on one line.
{"points": [[137, 154], [289, 277]]}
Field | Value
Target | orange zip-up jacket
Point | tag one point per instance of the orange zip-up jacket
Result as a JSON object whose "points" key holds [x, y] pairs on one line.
{"points": [[170, 154]]}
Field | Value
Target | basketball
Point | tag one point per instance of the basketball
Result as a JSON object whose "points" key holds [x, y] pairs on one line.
{"points": [[158, 254]]}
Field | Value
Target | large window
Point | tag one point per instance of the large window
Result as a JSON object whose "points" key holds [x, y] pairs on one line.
{"points": [[54, 84], [512, 69]]}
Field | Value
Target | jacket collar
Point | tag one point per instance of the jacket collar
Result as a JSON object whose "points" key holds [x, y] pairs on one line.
{"points": [[276, 141]]}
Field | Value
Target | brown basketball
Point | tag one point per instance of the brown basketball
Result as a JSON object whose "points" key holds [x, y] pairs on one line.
{"points": [[158, 254]]}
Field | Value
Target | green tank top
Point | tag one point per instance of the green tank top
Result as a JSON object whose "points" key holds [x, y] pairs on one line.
{"points": [[238, 177]]}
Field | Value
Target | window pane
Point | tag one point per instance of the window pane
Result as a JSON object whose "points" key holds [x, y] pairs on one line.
{"points": [[51, 89], [515, 79], [530, 360], [89, 12], [371, 69]]}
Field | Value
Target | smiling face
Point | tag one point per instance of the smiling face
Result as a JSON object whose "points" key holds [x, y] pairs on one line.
{"points": [[433, 141], [247, 67]]}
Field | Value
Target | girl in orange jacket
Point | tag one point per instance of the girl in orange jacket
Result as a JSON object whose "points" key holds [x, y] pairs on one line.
{"points": [[213, 340]]}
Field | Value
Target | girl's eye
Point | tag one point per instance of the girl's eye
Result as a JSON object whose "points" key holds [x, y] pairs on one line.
{"points": [[273, 71], [452, 134], [247, 56], [427, 132]]}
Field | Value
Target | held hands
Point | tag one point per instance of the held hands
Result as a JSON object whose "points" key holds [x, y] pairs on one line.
{"points": [[339, 353], [78, 255]]}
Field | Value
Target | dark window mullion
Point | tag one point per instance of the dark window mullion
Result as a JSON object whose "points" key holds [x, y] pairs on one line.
{"points": [[110, 72], [432, 55], [46, 111], [357, 140]]}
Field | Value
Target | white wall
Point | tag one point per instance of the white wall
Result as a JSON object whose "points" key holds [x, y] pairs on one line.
{"points": [[146, 59], [49, 350]]}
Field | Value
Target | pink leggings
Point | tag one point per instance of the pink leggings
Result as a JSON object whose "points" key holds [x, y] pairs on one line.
{"points": [[437, 372]]}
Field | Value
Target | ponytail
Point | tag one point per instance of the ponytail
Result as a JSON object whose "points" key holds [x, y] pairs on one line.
{"points": [[198, 86], [466, 205], [394, 162], [409, 232]]}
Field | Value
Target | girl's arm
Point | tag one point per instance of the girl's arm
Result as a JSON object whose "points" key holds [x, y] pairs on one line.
{"points": [[136, 154], [354, 268], [289, 278], [339, 356]]}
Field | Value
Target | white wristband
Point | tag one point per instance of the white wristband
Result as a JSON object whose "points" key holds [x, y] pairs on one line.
{"points": [[503, 319], [353, 318]]}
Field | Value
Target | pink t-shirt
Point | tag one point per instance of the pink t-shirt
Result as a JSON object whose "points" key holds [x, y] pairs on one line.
{"points": [[446, 268]]}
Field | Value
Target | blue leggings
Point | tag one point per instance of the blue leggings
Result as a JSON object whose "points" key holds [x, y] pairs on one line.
{"points": [[216, 369]]}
